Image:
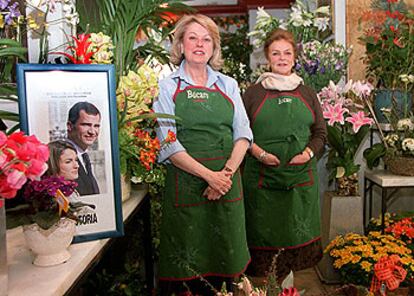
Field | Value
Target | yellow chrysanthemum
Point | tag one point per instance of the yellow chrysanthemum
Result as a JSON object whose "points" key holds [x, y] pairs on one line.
{"points": [[367, 266]]}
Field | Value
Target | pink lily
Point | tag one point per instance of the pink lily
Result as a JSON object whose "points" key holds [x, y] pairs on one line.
{"points": [[334, 113], [358, 120]]}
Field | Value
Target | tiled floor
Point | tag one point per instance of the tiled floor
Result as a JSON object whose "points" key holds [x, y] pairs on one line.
{"points": [[308, 280]]}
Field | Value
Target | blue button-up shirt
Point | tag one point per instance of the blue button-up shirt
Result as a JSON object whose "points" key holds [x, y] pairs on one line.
{"points": [[165, 104]]}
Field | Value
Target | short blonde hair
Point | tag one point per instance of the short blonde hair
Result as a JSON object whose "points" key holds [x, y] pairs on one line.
{"points": [[177, 57]]}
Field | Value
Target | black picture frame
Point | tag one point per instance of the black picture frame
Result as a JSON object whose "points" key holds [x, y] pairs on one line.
{"points": [[46, 93]]}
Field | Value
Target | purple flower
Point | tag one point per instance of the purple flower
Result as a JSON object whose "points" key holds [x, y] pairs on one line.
{"points": [[13, 12], [47, 187], [4, 4], [322, 70], [339, 65], [311, 67]]}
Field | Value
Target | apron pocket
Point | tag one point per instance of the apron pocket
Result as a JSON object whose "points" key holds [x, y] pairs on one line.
{"points": [[189, 189], [287, 177]]}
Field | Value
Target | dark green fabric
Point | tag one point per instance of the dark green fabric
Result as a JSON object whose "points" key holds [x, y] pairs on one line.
{"points": [[199, 236], [282, 203]]}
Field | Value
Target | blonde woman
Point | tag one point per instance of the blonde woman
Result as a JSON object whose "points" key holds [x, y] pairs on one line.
{"points": [[203, 227]]}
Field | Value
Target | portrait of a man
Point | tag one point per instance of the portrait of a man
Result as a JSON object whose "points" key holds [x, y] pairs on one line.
{"points": [[83, 127]]}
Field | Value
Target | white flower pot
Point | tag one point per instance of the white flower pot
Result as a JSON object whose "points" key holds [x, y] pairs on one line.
{"points": [[125, 187], [340, 215], [50, 246]]}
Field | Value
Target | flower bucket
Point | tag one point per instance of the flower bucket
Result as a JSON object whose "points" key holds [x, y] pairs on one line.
{"points": [[3, 250], [384, 99], [400, 165], [50, 246], [125, 187]]}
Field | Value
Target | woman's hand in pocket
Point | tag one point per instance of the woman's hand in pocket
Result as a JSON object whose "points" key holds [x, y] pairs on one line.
{"points": [[300, 158], [271, 160]]}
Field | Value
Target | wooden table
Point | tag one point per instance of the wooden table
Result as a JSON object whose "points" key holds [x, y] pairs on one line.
{"points": [[28, 279]]}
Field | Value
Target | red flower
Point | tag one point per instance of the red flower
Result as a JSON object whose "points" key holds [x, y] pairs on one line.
{"points": [[289, 292], [81, 52], [21, 157], [170, 137], [397, 42], [392, 28]]}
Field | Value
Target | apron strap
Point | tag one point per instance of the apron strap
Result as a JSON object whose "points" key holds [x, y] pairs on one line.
{"points": [[177, 90]]}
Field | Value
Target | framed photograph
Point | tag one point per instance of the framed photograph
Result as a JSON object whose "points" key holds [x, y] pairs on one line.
{"points": [[73, 109]]}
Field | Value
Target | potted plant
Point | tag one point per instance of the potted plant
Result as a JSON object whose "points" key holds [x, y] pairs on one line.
{"points": [[319, 59], [348, 123], [52, 219], [388, 35], [355, 256], [21, 158], [396, 147]]}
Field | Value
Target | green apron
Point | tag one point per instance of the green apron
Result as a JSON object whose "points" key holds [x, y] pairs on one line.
{"points": [[198, 236], [282, 203]]}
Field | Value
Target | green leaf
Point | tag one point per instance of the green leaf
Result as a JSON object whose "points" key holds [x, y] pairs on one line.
{"points": [[335, 139], [46, 219], [13, 51], [373, 155]]}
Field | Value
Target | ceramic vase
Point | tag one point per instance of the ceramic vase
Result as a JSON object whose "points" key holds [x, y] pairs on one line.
{"points": [[50, 246]]}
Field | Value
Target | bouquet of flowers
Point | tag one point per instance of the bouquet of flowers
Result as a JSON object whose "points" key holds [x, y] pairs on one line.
{"points": [[144, 148], [397, 143], [318, 61], [305, 24], [355, 255], [47, 200], [348, 123], [399, 226], [94, 48], [389, 42], [9, 13], [21, 157], [139, 145]]}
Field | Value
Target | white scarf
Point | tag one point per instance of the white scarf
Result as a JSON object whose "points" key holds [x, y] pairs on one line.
{"points": [[273, 81]]}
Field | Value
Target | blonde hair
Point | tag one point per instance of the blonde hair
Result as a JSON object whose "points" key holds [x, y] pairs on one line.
{"points": [[276, 35], [177, 56]]}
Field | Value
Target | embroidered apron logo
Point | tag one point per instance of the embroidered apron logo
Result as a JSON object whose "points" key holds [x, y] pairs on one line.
{"points": [[285, 100], [197, 95]]}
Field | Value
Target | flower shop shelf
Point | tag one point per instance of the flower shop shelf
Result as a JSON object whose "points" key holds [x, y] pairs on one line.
{"points": [[28, 279], [389, 185]]}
